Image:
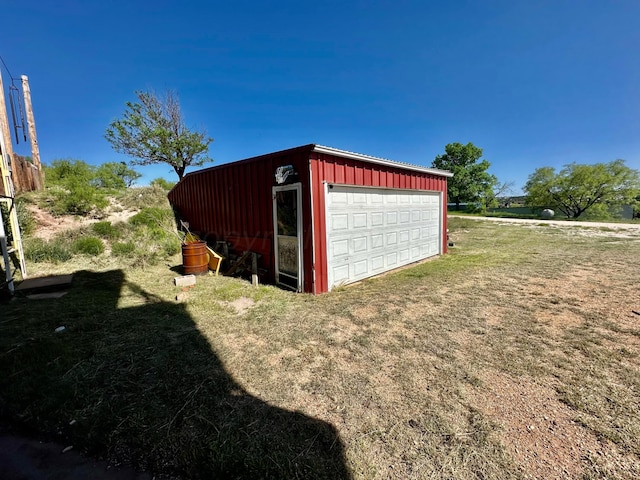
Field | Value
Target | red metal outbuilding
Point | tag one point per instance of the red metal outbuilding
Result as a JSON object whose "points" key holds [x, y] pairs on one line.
{"points": [[318, 216]]}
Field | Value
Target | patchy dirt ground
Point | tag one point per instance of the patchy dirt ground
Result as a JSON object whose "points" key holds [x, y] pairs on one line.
{"points": [[608, 229], [543, 434], [48, 225], [538, 431]]}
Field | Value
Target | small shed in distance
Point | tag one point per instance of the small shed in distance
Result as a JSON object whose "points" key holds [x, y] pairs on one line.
{"points": [[318, 216]]}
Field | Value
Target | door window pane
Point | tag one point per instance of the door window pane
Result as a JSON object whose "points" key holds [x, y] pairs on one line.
{"points": [[287, 212], [288, 255]]}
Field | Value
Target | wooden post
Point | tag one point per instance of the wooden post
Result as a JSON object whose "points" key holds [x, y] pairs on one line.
{"points": [[31, 122], [254, 269], [8, 146]]}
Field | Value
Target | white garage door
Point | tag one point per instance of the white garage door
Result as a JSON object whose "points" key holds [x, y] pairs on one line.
{"points": [[372, 230]]}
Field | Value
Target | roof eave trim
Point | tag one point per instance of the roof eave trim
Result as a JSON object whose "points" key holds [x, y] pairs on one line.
{"points": [[379, 161]]}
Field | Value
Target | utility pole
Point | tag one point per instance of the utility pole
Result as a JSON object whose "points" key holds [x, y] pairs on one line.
{"points": [[7, 151], [31, 122]]}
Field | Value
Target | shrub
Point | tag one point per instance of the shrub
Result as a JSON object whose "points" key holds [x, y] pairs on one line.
{"points": [[115, 175], [106, 230], [153, 217], [171, 246], [162, 183], [123, 249], [39, 250], [25, 218], [88, 246], [26, 222], [77, 199], [64, 171], [141, 197]]}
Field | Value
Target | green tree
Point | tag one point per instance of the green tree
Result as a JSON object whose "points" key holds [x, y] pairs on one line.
{"points": [[471, 183], [577, 188], [115, 175], [153, 131]]}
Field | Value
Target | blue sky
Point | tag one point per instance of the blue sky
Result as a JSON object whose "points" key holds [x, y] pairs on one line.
{"points": [[532, 83]]}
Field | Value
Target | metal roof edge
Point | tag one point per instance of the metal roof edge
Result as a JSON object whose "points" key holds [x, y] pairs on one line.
{"points": [[379, 161], [313, 147], [256, 158]]}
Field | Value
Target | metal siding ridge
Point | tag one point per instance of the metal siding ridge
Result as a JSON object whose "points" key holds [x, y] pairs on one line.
{"points": [[379, 161]]}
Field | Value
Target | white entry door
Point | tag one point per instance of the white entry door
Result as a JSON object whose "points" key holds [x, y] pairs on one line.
{"points": [[287, 226], [373, 230]]}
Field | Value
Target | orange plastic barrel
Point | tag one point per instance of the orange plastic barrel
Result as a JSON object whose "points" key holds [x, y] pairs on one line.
{"points": [[194, 258]]}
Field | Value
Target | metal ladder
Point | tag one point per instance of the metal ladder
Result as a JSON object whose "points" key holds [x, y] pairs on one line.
{"points": [[15, 247]]}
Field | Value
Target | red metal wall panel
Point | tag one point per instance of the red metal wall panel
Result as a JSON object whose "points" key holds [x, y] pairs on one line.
{"points": [[234, 203]]}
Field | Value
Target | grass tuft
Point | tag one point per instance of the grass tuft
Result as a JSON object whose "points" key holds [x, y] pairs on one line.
{"points": [[88, 246]]}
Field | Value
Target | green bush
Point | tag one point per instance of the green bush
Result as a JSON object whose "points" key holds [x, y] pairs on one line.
{"points": [[77, 188], [171, 246], [64, 171], [114, 175], [141, 197], [88, 246], [106, 230], [109, 175], [77, 199], [123, 249], [25, 217], [38, 250], [153, 217], [162, 183], [26, 222]]}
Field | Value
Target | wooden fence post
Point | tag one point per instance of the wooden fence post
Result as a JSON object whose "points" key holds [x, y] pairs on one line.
{"points": [[31, 122]]}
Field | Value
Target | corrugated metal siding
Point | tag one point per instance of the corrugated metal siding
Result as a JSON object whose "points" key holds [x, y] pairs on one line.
{"points": [[330, 169], [234, 203]]}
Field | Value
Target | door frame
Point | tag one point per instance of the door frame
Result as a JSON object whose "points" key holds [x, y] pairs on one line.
{"points": [[298, 188]]}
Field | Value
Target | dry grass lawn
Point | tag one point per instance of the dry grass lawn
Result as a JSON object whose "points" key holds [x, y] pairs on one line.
{"points": [[516, 356]]}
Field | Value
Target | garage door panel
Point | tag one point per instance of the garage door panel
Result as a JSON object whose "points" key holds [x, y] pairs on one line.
{"points": [[339, 247], [361, 267], [359, 198], [359, 220], [359, 245], [377, 219], [377, 263], [340, 274], [339, 221], [371, 230]]}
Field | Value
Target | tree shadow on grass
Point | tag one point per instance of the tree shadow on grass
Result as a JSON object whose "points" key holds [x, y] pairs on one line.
{"points": [[141, 385]]}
